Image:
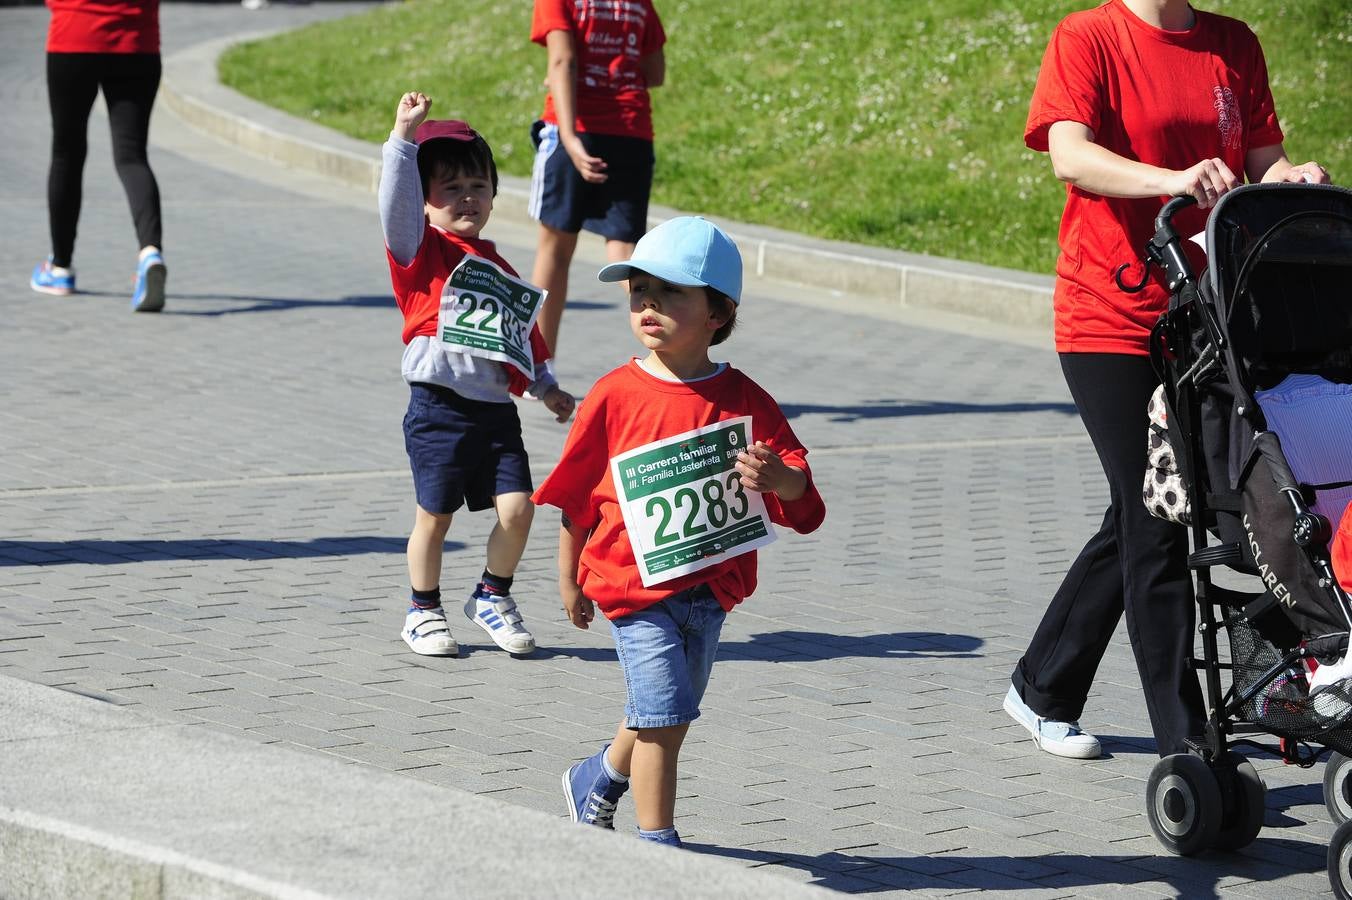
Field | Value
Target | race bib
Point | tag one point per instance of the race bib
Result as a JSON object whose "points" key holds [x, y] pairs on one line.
{"points": [[487, 313], [684, 504]]}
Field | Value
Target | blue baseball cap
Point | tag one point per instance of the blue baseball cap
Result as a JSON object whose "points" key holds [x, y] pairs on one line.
{"points": [[688, 250]]}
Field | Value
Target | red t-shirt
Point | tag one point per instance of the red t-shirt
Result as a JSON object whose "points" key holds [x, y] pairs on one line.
{"points": [[104, 26], [418, 287], [628, 408], [1341, 551], [1169, 99], [610, 37]]}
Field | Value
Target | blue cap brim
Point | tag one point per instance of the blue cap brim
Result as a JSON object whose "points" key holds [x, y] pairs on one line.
{"points": [[622, 271]]}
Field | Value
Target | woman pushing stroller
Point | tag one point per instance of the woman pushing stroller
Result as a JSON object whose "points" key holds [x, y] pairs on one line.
{"points": [[1136, 100]]}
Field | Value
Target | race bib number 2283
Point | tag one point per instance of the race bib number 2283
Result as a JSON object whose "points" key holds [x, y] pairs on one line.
{"points": [[684, 504]]}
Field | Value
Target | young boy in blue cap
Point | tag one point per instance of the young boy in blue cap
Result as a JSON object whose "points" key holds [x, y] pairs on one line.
{"points": [[669, 482]]}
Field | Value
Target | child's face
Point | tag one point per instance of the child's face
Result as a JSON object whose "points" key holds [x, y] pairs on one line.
{"points": [[459, 202], [671, 318]]}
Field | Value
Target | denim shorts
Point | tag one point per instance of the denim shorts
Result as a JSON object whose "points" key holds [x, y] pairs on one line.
{"points": [[462, 451], [667, 651], [616, 209]]}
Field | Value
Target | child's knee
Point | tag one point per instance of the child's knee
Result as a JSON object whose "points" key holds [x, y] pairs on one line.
{"points": [[515, 512], [431, 523]]}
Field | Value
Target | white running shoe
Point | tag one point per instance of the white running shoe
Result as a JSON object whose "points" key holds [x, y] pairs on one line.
{"points": [[497, 615], [1057, 738], [427, 633]]}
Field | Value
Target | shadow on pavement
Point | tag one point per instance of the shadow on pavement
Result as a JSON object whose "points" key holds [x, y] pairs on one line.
{"points": [[804, 646], [254, 304], [96, 552], [1197, 877], [884, 409]]}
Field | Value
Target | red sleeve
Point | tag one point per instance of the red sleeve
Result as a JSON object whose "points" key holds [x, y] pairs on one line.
{"points": [[1263, 129], [805, 514], [1069, 88], [550, 15], [581, 467], [653, 35], [1342, 551]]}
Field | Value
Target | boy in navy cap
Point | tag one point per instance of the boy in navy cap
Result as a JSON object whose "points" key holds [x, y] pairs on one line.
{"points": [[670, 480], [470, 343]]}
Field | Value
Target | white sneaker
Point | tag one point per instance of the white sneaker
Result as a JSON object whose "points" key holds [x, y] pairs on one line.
{"points": [[1330, 690], [1057, 738], [1331, 674], [426, 633], [497, 615]]}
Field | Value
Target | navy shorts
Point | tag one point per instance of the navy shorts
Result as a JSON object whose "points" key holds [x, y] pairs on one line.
{"points": [[616, 209], [462, 452]]}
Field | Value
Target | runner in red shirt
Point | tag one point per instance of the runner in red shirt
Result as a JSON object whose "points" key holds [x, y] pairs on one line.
{"points": [[1136, 101], [112, 46], [594, 143], [669, 481]]}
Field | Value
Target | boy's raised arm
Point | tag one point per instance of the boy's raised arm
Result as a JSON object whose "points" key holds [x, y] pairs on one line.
{"points": [[401, 199]]}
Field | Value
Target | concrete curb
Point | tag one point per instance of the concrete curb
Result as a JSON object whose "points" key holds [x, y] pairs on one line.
{"points": [[906, 280], [108, 801]]}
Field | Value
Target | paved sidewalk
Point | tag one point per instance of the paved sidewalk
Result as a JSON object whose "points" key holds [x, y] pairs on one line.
{"points": [[203, 513]]}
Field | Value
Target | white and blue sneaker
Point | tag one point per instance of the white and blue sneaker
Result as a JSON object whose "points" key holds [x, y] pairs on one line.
{"points": [[427, 634], [1057, 738], [592, 794], [148, 293], [497, 615], [49, 279]]}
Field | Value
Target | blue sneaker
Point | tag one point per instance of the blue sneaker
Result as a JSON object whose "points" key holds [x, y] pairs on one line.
{"points": [[148, 294], [592, 796], [1057, 738], [497, 614], [47, 279]]}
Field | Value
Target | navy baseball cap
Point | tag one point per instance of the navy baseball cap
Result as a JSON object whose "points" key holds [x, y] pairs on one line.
{"points": [[688, 250]]}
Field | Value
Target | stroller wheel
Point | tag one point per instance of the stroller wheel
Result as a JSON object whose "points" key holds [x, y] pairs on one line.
{"points": [[1249, 803], [1183, 801], [1338, 788], [1340, 862]]}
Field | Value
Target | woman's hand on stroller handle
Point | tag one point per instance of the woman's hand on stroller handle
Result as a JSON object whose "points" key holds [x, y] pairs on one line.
{"points": [[1206, 182]]}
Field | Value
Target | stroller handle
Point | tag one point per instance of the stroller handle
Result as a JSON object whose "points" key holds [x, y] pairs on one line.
{"points": [[1163, 250]]}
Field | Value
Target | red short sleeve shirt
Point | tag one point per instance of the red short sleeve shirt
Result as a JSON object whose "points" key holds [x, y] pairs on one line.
{"points": [[1164, 98], [610, 37], [628, 408], [104, 26], [1341, 551]]}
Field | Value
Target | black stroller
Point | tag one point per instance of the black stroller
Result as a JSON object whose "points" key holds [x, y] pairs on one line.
{"points": [[1276, 300]]}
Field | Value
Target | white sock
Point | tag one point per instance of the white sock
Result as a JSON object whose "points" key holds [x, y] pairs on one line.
{"points": [[611, 772]]}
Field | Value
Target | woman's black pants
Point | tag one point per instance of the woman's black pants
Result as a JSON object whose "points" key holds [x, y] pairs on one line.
{"points": [[1135, 564], [129, 82]]}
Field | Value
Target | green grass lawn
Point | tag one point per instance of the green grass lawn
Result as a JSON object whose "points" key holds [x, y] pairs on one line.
{"points": [[890, 122]]}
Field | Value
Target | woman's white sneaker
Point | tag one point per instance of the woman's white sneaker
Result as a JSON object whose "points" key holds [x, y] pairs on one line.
{"points": [[1057, 738]]}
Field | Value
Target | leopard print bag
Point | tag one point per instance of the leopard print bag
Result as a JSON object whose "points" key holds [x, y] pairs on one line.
{"points": [[1164, 492]]}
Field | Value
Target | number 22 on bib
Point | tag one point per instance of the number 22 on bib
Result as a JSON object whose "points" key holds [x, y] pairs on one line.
{"points": [[684, 504], [487, 313]]}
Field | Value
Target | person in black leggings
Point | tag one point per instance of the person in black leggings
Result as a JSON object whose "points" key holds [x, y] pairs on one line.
{"points": [[129, 81]]}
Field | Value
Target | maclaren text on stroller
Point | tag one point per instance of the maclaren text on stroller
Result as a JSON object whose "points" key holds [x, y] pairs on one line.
{"points": [[1274, 301]]}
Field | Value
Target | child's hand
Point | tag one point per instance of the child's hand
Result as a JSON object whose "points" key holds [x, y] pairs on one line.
{"points": [[764, 472], [412, 111], [559, 402], [580, 610]]}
